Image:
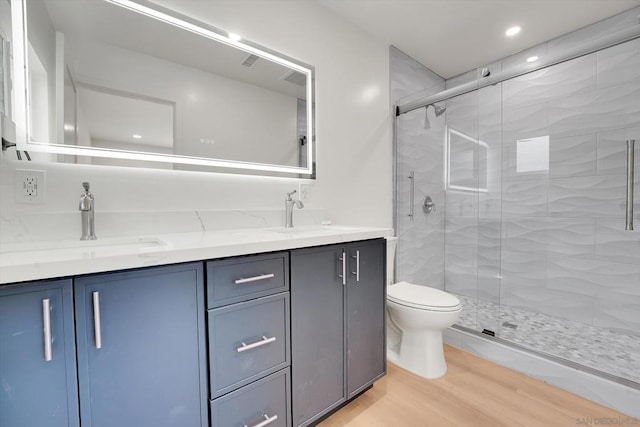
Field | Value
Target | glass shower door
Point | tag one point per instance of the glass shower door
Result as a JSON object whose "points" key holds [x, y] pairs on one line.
{"points": [[570, 270], [472, 181]]}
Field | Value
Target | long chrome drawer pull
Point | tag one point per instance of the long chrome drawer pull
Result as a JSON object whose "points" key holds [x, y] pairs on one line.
{"points": [[254, 278], [263, 341], [46, 328], [97, 327], [267, 420], [357, 272], [343, 276]]}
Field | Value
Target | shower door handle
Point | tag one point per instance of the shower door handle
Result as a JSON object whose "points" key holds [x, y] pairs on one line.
{"points": [[630, 177], [412, 187]]}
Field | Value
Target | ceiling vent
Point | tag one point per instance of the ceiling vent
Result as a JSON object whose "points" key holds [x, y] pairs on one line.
{"points": [[295, 77], [250, 59]]}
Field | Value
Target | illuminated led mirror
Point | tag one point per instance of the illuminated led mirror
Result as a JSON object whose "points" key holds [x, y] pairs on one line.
{"points": [[168, 92]]}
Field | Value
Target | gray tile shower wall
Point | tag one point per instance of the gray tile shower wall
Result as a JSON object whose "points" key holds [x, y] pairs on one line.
{"points": [[568, 219], [421, 242]]}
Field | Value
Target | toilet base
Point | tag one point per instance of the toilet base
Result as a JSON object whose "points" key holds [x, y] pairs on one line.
{"points": [[422, 353]]}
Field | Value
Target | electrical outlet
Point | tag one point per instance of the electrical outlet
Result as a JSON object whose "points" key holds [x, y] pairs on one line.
{"points": [[304, 191], [29, 186]]}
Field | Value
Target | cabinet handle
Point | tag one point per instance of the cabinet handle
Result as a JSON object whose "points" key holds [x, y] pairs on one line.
{"points": [[254, 278], [267, 420], [46, 328], [263, 341], [343, 276], [357, 272], [97, 328]]}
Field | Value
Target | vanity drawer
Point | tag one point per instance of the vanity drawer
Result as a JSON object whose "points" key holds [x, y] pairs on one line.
{"points": [[239, 279], [247, 341], [256, 404]]}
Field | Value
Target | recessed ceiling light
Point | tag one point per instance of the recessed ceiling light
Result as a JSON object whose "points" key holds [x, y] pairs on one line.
{"points": [[136, 136], [512, 31], [532, 58], [234, 37]]}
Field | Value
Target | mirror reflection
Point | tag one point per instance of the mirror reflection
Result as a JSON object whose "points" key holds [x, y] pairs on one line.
{"points": [[109, 80]]}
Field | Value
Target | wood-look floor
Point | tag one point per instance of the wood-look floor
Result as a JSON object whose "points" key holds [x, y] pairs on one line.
{"points": [[474, 392]]}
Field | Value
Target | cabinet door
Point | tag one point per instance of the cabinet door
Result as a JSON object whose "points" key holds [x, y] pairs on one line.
{"points": [[317, 332], [365, 315], [37, 356], [141, 347]]}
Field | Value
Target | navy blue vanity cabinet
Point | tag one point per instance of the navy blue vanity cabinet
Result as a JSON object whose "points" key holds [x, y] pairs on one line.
{"points": [[317, 332], [37, 355], [365, 316], [337, 325], [142, 347], [249, 340], [265, 402]]}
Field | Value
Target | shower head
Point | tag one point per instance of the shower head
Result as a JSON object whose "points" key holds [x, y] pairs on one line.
{"points": [[439, 110]]}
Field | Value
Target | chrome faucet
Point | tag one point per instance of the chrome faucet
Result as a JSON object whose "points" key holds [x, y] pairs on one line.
{"points": [[87, 205], [288, 203]]}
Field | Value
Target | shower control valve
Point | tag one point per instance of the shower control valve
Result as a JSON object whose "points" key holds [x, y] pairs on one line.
{"points": [[428, 205]]}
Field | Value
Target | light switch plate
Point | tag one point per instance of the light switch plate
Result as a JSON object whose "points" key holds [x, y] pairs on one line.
{"points": [[305, 191], [30, 186]]}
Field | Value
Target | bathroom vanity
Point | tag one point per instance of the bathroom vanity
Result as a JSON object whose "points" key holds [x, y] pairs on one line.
{"points": [[243, 327]]}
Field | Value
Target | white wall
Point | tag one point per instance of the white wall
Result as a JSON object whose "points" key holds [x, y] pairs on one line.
{"points": [[353, 128]]}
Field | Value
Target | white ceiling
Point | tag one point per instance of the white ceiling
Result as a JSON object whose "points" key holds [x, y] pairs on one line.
{"points": [[454, 36]]}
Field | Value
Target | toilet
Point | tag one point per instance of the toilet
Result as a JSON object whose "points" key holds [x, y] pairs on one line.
{"points": [[416, 317]]}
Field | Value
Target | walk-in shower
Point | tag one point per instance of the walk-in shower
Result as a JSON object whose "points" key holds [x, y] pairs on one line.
{"points": [[531, 173]]}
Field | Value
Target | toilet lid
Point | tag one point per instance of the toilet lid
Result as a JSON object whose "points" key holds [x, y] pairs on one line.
{"points": [[422, 297]]}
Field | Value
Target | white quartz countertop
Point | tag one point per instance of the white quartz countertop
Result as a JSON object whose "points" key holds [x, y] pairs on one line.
{"points": [[21, 262]]}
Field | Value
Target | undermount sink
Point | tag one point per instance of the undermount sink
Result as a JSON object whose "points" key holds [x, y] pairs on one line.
{"points": [[313, 229], [32, 252]]}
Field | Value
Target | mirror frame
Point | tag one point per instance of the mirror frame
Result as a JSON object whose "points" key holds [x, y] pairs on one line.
{"points": [[22, 116]]}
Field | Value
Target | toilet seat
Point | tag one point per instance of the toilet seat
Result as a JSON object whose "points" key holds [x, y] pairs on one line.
{"points": [[422, 297]]}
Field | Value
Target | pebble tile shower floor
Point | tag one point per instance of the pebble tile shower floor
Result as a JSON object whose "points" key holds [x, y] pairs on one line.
{"points": [[614, 352]]}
